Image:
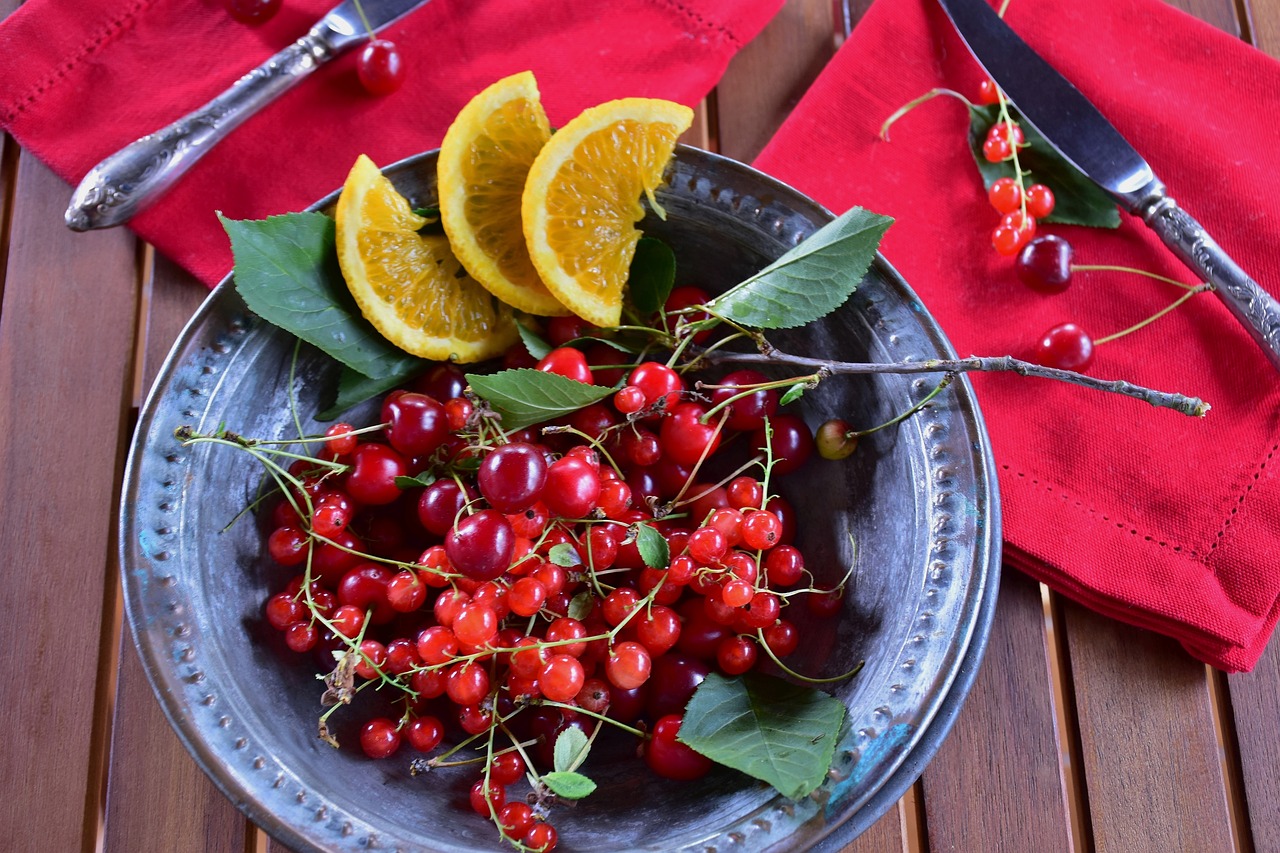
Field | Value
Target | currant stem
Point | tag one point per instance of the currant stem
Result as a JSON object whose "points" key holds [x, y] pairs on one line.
{"points": [[1191, 406], [546, 703], [912, 104]]}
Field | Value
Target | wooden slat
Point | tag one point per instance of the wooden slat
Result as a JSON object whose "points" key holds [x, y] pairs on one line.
{"points": [[980, 768], [1255, 698], [66, 334], [1150, 756], [1264, 24], [882, 836], [157, 797], [766, 79]]}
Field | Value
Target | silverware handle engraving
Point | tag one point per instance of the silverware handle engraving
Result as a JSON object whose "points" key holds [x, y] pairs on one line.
{"points": [[1253, 307], [124, 183]]}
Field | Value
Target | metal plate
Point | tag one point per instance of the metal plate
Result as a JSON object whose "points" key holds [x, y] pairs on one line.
{"points": [[919, 500]]}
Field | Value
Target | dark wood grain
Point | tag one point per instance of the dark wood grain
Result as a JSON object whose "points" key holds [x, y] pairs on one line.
{"points": [[766, 79], [1013, 684], [1263, 18], [1255, 701], [1150, 755], [149, 765], [66, 348]]}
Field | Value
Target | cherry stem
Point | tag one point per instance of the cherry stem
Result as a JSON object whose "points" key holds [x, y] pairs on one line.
{"points": [[791, 672], [1135, 271], [1191, 406], [912, 104], [1156, 316], [946, 380]]}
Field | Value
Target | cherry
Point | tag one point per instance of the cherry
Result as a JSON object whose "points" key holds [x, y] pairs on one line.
{"points": [[374, 468], [792, 443], [670, 758], [835, 439], [561, 330], [379, 738], [439, 506], [567, 362], [1065, 346], [417, 423], [1045, 264], [481, 545], [444, 382], [380, 67], [572, 487], [658, 382], [687, 296], [365, 587], [685, 439], [672, 680], [748, 412], [252, 11], [512, 477]]}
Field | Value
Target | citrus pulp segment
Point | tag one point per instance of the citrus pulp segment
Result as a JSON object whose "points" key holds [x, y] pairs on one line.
{"points": [[409, 285], [484, 159], [581, 199]]}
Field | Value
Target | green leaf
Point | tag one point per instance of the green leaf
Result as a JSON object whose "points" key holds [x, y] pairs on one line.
{"points": [[286, 269], [652, 546], [564, 555], [433, 225], [424, 479], [525, 397], [533, 342], [795, 392], [1078, 200], [768, 728], [652, 275], [580, 605], [570, 749], [570, 786], [812, 279], [354, 387]]}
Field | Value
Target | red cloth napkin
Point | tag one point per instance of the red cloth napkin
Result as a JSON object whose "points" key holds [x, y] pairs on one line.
{"points": [[80, 80], [1152, 517]]}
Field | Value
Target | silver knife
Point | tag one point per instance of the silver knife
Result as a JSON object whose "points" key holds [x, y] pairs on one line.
{"points": [[124, 183], [1084, 137]]}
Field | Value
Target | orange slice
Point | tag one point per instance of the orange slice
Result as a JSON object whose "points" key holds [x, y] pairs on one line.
{"points": [[581, 200], [409, 285], [484, 159]]}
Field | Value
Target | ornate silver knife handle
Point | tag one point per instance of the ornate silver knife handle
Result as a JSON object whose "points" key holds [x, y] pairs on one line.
{"points": [[1252, 306], [124, 183]]}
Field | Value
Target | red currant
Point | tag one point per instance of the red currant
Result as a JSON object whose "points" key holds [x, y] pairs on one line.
{"points": [[996, 149], [1040, 201], [425, 733], [572, 488], [379, 738], [1005, 195], [988, 92], [561, 678], [670, 758]]}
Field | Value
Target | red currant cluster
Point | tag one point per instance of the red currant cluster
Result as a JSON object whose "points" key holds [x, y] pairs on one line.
{"points": [[511, 587], [379, 66]]}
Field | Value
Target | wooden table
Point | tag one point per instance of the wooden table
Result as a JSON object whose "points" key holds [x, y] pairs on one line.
{"points": [[1080, 733]]}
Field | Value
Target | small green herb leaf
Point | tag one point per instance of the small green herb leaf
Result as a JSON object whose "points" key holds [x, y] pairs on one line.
{"points": [[812, 279], [286, 269], [768, 728], [570, 750], [652, 275], [533, 342], [1078, 200], [424, 479], [354, 387], [795, 392], [564, 555], [525, 397], [652, 546], [571, 786]]}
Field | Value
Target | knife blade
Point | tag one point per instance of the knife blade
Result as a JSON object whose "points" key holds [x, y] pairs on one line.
{"points": [[133, 177], [1077, 130]]}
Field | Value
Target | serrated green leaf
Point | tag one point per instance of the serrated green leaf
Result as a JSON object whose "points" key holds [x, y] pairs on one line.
{"points": [[286, 270], [652, 546], [795, 392], [525, 397], [580, 605], [564, 555], [354, 387], [570, 786], [770, 729], [652, 275], [812, 279], [1078, 200], [533, 342], [570, 749], [424, 479]]}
